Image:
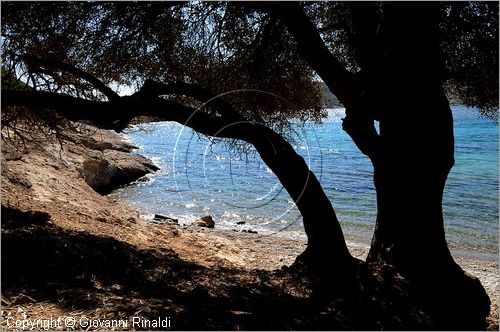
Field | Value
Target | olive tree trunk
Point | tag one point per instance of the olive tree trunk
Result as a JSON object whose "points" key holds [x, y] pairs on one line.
{"points": [[416, 153]]}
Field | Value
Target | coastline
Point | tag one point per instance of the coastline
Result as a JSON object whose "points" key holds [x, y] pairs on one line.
{"points": [[51, 187]]}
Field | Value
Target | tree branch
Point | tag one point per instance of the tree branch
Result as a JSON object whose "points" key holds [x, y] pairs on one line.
{"points": [[357, 123], [320, 221], [205, 96], [112, 114], [72, 108], [365, 23], [96, 83], [314, 51]]}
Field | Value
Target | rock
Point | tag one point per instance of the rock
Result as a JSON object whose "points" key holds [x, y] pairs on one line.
{"points": [[15, 178], [240, 223], [161, 217], [205, 221], [94, 144], [109, 170], [249, 231], [98, 172], [102, 144]]}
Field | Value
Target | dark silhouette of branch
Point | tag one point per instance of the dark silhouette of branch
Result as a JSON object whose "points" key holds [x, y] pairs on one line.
{"points": [[365, 23], [154, 89], [96, 83], [112, 114], [313, 49], [320, 221], [358, 123]]}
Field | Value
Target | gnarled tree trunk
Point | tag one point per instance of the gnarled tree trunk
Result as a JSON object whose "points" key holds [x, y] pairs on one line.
{"points": [[416, 154]]}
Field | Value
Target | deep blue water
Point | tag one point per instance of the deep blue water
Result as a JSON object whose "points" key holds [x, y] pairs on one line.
{"points": [[200, 177]]}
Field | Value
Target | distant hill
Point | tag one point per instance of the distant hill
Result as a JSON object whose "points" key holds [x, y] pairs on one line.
{"points": [[329, 98]]}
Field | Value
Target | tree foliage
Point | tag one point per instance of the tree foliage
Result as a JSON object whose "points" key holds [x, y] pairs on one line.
{"points": [[470, 47], [219, 46], [225, 46]]}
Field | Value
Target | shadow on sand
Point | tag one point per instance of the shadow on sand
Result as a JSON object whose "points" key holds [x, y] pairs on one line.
{"points": [[76, 270]]}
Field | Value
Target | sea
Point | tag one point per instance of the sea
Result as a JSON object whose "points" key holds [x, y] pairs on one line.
{"points": [[228, 180]]}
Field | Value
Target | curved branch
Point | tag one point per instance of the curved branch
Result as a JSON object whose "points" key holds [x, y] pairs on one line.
{"points": [[322, 227], [358, 123], [314, 51], [72, 108], [154, 89], [112, 115], [96, 83]]}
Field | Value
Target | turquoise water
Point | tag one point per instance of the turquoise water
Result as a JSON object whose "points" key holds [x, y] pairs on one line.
{"points": [[200, 177]]}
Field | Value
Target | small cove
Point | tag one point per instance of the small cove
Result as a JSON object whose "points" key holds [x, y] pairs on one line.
{"points": [[199, 178]]}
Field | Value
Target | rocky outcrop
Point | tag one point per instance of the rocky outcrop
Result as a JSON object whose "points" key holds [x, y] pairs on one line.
{"points": [[113, 168], [63, 180], [99, 145], [105, 160]]}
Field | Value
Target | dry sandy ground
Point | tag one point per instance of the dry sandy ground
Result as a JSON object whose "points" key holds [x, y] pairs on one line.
{"points": [[48, 178]]}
